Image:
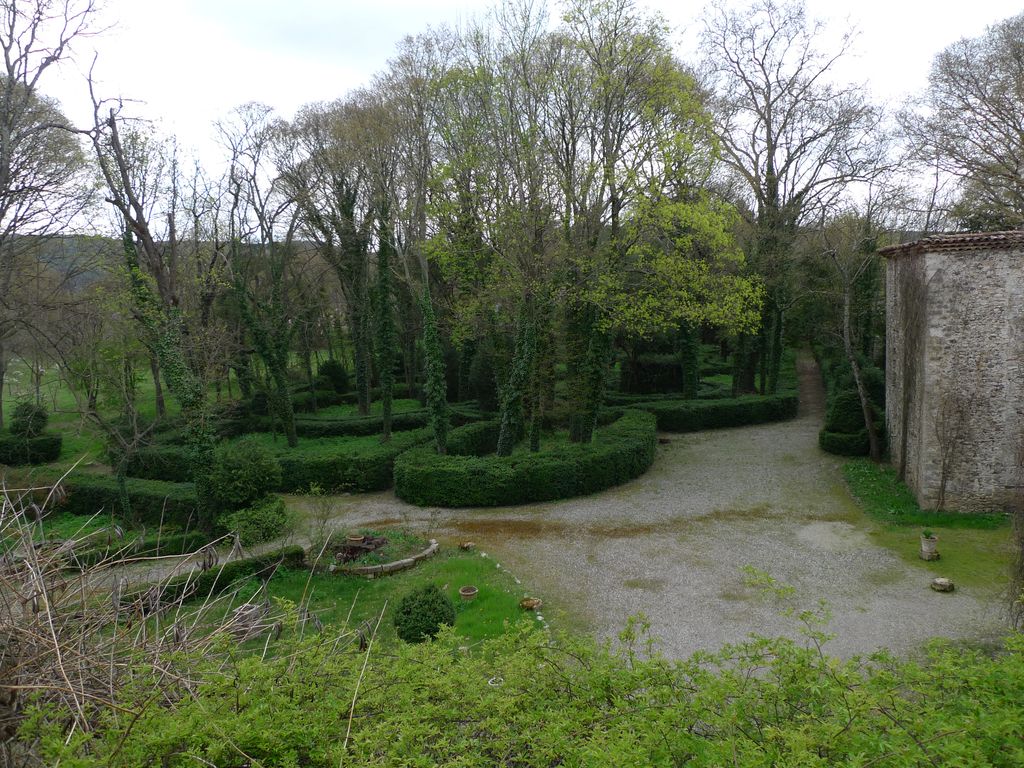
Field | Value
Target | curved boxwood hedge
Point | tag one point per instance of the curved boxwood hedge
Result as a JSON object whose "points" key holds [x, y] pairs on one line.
{"points": [[694, 415], [17, 450], [161, 462], [468, 477]]}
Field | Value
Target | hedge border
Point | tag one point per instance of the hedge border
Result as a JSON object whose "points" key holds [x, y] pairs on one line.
{"points": [[696, 415], [18, 451], [843, 444], [468, 477], [153, 502]]}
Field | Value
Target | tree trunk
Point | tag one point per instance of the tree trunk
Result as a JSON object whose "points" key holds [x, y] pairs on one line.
{"points": [[513, 392], [158, 389], [874, 446], [3, 379], [774, 350], [435, 388], [689, 360]]}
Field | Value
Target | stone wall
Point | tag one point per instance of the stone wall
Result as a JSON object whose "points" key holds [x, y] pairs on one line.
{"points": [[955, 374]]}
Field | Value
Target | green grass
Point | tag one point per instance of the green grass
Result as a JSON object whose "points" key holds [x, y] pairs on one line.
{"points": [[885, 498], [976, 549], [335, 598], [722, 379], [400, 544]]}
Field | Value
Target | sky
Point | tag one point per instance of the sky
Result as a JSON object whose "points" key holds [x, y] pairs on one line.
{"points": [[187, 63]]}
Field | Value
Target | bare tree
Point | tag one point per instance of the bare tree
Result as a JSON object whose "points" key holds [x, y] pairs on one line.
{"points": [[795, 138], [969, 123], [43, 184]]}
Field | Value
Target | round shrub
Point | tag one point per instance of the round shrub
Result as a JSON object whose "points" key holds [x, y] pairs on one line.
{"points": [[263, 521], [422, 612], [334, 371], [28, 419], [845, 414], [841, 444], [242, 473]]}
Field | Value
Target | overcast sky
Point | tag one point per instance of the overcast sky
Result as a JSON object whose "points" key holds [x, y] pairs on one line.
{"points": [[190, 61]]}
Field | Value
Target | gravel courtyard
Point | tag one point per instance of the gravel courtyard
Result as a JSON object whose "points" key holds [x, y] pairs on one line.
{"points": [[673, 543]]}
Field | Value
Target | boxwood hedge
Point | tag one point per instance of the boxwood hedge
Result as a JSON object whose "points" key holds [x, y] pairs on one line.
{"points": [[161, 462], [694, 415], [468, 476], [151, 546], [17, 450], [153, 502], [843, 444]]}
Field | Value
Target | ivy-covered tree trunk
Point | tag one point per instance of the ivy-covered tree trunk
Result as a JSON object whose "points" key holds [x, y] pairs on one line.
{"points": [[158, 389], [774, 364], [595, 368], [386, 338], [689, 360], [744, 366], [514, 390], [435, 387], [360, 322]]}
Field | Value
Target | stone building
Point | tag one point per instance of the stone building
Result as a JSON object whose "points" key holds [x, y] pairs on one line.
{"points": [[955, 368]]}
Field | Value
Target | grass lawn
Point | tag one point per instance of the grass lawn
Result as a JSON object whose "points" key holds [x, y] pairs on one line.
{"points": [[336, 598], [976, 549]]}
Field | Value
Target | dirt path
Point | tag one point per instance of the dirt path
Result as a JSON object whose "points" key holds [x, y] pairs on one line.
{"points": [[672, 545]]}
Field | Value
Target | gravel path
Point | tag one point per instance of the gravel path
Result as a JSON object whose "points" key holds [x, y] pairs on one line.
{"points": [[672, 544]]}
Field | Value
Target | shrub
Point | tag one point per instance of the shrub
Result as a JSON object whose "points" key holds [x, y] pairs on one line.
{"points": [[844, 444], [694, 415], [467, 476], [845, 414], [263, 521], [16, 450], [345, 464], [421, 614], [28, 419], [153, 502], [335, 371], [242, 473]]}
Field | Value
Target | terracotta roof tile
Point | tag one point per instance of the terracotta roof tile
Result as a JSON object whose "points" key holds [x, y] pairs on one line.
{"points": [[959, 241]]}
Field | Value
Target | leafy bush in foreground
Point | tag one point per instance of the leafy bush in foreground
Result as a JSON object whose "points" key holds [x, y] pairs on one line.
{"points": [[527, 700]]}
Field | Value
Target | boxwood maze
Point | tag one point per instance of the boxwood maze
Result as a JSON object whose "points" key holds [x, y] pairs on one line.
{"points": [[470, 475]]}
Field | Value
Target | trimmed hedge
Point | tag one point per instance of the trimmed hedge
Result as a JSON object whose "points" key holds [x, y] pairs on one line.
{"points": [[153, 502], [345, 467], [151, 546], [263, 521], [842, 444], [357, 426], [16, 450], [468, 477], [695, 415], [161, 462], [200, 585]]}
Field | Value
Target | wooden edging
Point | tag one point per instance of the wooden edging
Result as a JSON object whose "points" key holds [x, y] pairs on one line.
{"points": [[393, 567]]}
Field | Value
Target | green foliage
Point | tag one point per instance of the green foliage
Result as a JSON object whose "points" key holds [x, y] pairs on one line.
{"points": [[651, 373], [528, 700], [28, 419], [469, 477], [885, 498], [16, 450], [844, 443], [422, 613], [336, 372], [356, 426], [695, 415], [264, 521], [357, 464], [153, 502], [482, 385], [161, 462], [242, 473], [845, 414], [436, 387]]}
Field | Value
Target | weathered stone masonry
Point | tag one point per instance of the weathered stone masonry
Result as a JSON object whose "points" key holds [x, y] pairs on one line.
{"points": [[955, 368]]}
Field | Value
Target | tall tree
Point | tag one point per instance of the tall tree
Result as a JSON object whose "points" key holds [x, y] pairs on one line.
{"points": [[970, 124], [43, 183], [794, 137]]}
